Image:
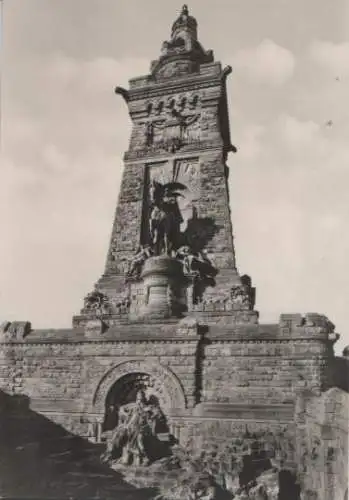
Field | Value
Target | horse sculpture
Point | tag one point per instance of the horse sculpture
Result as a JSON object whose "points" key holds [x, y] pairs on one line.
{"points": [[165, 217]]}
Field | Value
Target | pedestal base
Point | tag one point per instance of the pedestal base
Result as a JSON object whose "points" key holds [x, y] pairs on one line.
{"points": [[162, 278]]}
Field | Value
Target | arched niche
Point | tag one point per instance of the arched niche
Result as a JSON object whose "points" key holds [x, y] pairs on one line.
{"points": [[164, 385]]}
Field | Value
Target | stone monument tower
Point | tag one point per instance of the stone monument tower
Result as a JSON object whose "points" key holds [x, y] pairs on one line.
{"points": [[170, 325], [171, 252]]}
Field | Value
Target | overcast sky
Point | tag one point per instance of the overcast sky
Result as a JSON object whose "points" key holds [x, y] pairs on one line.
{"points": [[64, 133]]}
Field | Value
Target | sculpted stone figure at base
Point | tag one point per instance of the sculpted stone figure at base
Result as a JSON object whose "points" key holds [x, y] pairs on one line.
{"points": [[239, 295], [199, 267], [186, 256], [195, 262], [97, 303], [14, 330], [135, 433], [143, 253]]}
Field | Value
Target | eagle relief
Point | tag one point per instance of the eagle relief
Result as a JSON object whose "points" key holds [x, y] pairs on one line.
{"points": [[172, 123]]}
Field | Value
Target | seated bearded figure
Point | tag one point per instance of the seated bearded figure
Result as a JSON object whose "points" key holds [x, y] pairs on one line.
{"points": [[135, 430]]}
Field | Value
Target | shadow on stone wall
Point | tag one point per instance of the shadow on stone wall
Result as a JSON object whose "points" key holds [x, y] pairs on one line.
{"points": [[199, 232], [40, 459], [341, 373]]}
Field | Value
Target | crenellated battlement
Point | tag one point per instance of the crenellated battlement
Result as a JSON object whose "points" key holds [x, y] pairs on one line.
{"points": [[312, 324]]}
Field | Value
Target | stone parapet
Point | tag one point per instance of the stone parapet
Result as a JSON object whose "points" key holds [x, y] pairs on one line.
{"points": [[309, 325], [112, 327]]}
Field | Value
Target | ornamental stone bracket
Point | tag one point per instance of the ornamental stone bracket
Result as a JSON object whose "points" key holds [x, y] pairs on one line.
{"points": [[169, 389]]}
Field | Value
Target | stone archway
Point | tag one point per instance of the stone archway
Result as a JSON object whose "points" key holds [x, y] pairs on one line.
{"points": [[125, 390], [164, 384]]}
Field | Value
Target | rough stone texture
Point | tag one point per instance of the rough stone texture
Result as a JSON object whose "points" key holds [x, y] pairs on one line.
{"points": [[128, 219], [322, 443], [217, 373], [248, 370]]}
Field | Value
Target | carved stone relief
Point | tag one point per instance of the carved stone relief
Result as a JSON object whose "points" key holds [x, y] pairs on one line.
{"points": [[121, 303], [172, 122], [174, 69], [172, 227], [143, 253], [182, 172], [97, 304], [173, 395], [236, 299], [136, 431], [15, 330]]}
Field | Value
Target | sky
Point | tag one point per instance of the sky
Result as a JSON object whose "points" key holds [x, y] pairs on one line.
{"points": [[64, 132]]}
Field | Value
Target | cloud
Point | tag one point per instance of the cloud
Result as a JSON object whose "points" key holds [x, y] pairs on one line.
{"points": [[289, 198], [297, 132], [64, 133], [79, 89], [331, 56], [60, 174], [286, 141], [299, 141], [250, 139], [267, 63]]}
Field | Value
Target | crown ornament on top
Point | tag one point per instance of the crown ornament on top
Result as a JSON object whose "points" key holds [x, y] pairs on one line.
{"points": [[185, 23], [184, 40]]}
